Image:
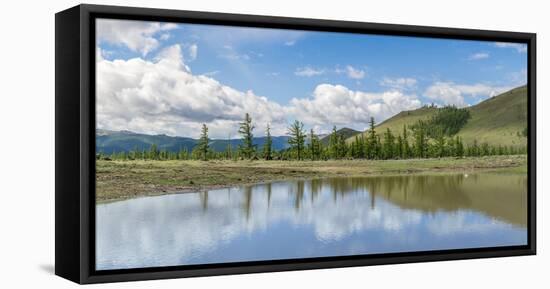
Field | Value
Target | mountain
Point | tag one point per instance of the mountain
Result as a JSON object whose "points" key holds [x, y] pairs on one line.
{"points": [[108, 141], [499, 120], [345, 132]]}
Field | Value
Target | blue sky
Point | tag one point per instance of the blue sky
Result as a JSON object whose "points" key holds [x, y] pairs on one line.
{"points": [[292, 74]]}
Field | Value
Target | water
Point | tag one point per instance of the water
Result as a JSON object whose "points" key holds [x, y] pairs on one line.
{"points": [[313, 218]]}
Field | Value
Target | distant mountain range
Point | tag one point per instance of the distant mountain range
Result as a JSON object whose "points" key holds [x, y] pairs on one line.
{"points": [[108, 141]]}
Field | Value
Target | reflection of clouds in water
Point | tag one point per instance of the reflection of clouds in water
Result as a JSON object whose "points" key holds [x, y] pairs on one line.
{"points": [[183, 229], [444, 224]]}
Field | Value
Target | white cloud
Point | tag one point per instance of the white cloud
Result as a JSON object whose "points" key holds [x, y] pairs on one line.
{"points": [[338, 105], [308, 71], [519, 47], [401, 83], [290, 43], [138, 36], [355, 73], [231, 54], [518, 77], [193, 49], [211, 73], [162, 96], [479, 56], [449, 93]]}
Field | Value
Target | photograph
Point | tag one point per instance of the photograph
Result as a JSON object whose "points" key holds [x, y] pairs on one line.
{"points": [[220, 144]]}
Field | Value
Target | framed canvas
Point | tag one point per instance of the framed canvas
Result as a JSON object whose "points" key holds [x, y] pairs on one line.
{"points": [[194, 144]]}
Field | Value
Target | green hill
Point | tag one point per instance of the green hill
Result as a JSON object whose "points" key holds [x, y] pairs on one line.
{"points": [[345, 132], [499, 120]]}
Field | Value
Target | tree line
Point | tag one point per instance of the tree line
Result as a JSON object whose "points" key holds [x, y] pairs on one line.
{"points": [[434, 138]]}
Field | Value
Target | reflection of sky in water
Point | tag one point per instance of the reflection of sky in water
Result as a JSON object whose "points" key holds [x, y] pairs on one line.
{"points": [[281, 221]]}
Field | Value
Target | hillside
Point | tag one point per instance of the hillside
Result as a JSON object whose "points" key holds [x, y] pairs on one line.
{"points": [[345, 132], [118, 141], [497, 120]]}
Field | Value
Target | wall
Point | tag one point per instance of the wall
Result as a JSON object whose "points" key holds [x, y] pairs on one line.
{"points": [[27, 145]]}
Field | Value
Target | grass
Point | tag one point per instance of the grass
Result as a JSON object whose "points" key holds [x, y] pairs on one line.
{"points": [[117, 180]]}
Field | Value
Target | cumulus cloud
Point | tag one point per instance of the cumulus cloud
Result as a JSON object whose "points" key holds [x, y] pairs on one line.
{"points": [[162, 96], [139, 36], [231, 53], [193, 50], [519, 47], [290, 43], [308, 71], [449, 93], [338, 105], [479, 56], [354, 73], [401, 83]]}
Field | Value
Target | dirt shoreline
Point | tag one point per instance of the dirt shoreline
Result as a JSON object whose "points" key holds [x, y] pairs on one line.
{"points": [[120, 180]]}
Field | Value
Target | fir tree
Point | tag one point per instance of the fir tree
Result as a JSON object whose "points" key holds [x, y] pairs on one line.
{"points": [[247, 149], [202, 146], [268, 144], [297, 138]]}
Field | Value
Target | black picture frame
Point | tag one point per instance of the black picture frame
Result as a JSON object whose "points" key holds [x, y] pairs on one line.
{"points": [[75, 143]]}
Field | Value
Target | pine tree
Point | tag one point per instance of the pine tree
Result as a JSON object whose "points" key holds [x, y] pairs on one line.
{"points": [[202, 146], [247, 149], [406, 149], [342, 147], [371, 141], [153, 152], [440, 144], [268, 144], [297, 138], [389, 143], [399, 147], [333, 144], [314, 145], [228, 148], [475, 149], [420, 144]]}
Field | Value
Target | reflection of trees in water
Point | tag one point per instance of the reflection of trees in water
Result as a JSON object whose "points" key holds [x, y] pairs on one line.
{"points": [[204, 200], [315, 185], [247, 191], [268, 190], [502, 197], [297, 191], [429, 193]]}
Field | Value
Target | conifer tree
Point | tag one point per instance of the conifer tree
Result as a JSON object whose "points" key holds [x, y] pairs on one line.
{"points": [[314, 145], [406, 149], [420, 144], [153, 152], [268, 144], [297, 138], [389, 143], [247, 148], [333, 144], [371, 141], [202, 146]]}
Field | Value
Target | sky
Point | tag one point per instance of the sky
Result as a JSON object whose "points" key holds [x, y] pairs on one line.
{"points": [[170, 78]]}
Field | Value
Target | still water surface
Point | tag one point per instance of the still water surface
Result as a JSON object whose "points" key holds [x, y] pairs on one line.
{"points": [[313, 218]]}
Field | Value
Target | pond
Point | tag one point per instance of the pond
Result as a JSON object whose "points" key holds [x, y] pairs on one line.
{"points": [[313, 218]]}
